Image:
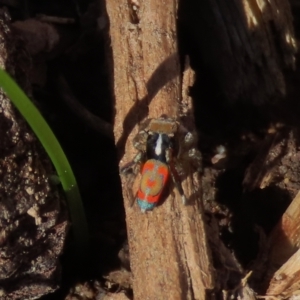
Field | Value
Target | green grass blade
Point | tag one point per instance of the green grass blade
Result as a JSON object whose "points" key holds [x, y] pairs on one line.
{"points": [[56, 154]]}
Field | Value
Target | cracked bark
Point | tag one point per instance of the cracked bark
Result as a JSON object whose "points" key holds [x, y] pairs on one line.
{"points": [[168, 247]]}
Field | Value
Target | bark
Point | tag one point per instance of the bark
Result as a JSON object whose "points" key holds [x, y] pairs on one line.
{"points": [[282, 274], [168, 247], [286, 281], [285, 237]]}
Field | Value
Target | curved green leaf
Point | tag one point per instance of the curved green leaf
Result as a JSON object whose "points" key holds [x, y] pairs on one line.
{"points": [[56, 154]]}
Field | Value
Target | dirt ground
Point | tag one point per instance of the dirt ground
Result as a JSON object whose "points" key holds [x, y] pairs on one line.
{"points": [[250, 153]]}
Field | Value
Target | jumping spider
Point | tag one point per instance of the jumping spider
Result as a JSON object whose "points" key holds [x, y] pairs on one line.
{"points": [[162, 144]]}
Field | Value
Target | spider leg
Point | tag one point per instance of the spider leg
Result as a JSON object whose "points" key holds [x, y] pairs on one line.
{"points": [[189, 152], [175, 176], [190, 139], [130, 170], [195, 156], [127, 168]]}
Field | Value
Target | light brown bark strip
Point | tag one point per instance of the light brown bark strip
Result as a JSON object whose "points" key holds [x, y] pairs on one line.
{"points": [[168, 246], [285, 239], [286, 280], [284, 242]]}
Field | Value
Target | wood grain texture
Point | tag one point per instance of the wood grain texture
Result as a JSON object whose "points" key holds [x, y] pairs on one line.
{"points": [[286, 281], [282, 275], [285, 238], [245, 44], [168, 246]]}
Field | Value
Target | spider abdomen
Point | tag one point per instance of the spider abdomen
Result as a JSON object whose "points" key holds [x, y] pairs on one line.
{"points": [[155, 175]]}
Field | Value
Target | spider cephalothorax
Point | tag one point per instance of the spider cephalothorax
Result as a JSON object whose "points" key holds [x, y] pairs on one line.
{"points": [[161, 144]]}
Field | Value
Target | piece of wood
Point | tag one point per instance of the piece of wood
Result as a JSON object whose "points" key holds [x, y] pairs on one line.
{"points": [[286, 280], [168, 247], [281, 269], [261, 171], [285, 238]]}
